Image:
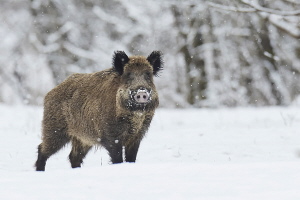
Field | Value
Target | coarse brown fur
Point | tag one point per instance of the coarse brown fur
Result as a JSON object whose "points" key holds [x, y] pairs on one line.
{"points": [[97, 109]]}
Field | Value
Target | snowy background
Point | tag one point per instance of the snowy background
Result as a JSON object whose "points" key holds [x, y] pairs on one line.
{"points": [[239, 61], [217, 53]]}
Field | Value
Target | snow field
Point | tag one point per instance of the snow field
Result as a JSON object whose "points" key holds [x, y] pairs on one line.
{"points": [[241, 153]]}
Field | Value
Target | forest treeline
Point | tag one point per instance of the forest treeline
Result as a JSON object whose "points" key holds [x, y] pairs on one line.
{"points": [[217, 53]]}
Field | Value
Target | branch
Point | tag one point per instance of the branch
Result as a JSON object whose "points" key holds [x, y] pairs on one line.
{"points": [[51, 42], [80, 52], [284, 26], [275, 17], [271, 11], [53, 37], [254, 8], [230, 8], [292, 2], [43, 48], [103, 16]]}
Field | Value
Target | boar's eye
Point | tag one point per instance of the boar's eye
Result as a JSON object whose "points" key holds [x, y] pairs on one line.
{"points": [[128, 75], [148, 75]]}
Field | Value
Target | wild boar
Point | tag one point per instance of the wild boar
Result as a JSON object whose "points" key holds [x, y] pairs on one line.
{"points": [[111, 108]]}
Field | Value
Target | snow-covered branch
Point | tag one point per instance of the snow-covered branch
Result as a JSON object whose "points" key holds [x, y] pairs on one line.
{"points": [[53, 37], [80, 52], [254, 8], [280, 23], [43, 48], [271, 11], [293, 2], [230, 8], [275, 17], [51, 42], [109, 18]]}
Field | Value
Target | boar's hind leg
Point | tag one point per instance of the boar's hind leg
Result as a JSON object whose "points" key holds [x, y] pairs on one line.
{"points": [[131, 152], [41, 161], [48, 147], [78, 152]]}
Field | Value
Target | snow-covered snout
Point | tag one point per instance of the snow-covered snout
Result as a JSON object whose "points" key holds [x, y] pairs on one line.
{"points": [[141, 95]]}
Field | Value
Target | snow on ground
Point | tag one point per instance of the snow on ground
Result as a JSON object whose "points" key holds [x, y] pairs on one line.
{"points": [[210, 154]]}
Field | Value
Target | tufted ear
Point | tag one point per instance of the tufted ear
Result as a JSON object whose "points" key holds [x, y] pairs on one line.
{"points": [[155, 59], [119, 60]]}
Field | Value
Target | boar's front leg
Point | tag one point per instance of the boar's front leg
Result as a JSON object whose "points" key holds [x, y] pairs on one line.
{"points": [[78, 152], [131, 152], [114, 148]]}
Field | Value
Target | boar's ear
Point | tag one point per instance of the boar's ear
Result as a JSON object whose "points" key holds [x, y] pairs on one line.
{"points": [[155, 59], [119, 60]]}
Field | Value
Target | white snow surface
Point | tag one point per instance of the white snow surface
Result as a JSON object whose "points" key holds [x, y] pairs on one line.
{"points": [[210, 154]]}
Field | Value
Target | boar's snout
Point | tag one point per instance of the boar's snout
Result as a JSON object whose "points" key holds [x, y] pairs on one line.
{"points": [[141, 95]]}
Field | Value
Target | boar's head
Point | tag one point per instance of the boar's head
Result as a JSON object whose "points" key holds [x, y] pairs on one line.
{"points": [[136, 88]]}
